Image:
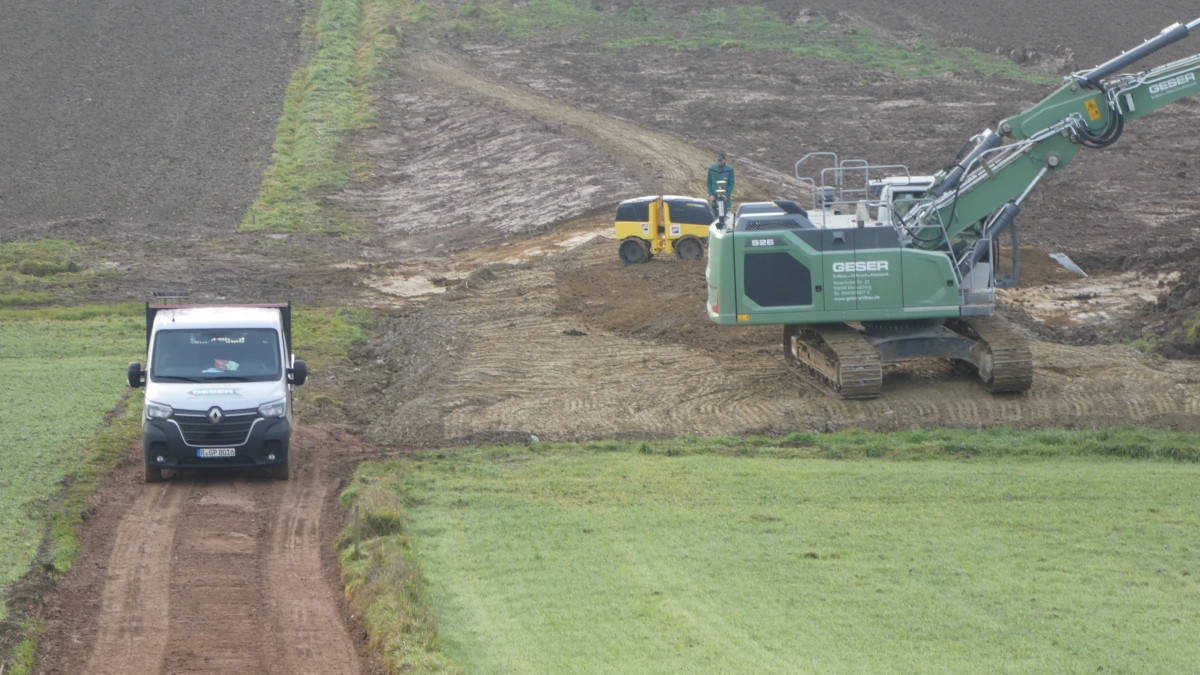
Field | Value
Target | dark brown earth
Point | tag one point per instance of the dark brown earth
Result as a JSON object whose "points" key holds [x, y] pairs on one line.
{"points": [[488, 253], [155, 116]]}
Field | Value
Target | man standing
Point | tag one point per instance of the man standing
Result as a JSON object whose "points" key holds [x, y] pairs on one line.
{"points": [[720, 185]]}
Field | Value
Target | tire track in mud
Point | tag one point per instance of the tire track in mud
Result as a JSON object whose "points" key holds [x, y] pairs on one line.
{"points": [[523, 372], [132, 620], [308, 624], [215, 573], [679, 161], [217, 579]]}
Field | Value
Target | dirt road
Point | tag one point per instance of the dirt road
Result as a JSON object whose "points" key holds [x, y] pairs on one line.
{"points": [[209, 573]]}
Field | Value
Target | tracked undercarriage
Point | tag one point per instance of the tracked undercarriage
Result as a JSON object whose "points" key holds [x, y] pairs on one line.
{"points": [[849, 360]]}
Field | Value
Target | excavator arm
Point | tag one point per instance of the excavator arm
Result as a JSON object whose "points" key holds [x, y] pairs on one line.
{"points": [[980, 195]]}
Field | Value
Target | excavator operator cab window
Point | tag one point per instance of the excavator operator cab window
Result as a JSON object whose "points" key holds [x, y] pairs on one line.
{"points": [[903, 202]]}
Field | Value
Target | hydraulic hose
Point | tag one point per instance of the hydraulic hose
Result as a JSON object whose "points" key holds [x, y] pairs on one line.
{"points": [[984, 142], [1109, 136], [1116, 126]]}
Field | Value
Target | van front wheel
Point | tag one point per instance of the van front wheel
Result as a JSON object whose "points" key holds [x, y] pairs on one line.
{"points": [[153, 474], [281, 471]]}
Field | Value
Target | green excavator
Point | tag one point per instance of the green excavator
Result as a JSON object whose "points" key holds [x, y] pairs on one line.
{"points": [[885, 266]]}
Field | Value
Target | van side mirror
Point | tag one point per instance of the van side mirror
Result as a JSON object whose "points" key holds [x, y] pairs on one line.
{"points": [[298, 373], [135, 375]]}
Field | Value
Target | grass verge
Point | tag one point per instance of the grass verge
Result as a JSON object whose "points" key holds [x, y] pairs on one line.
{"points": [[327, 101], [380, 576], [64, 372], [927, 550]]}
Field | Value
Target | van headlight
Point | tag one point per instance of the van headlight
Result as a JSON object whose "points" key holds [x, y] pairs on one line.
{"points": [[276, 409], [158, 411]]}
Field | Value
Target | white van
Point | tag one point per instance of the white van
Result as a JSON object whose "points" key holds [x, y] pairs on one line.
{"points": [[219, 383]]}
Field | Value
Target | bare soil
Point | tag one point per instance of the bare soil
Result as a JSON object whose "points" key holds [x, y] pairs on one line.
{"points": [[508, 314]]}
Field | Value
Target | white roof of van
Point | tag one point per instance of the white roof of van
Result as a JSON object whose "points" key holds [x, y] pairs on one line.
{"points": [[227, 316]]}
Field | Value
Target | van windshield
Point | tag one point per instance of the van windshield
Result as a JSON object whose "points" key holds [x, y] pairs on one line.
{"points": [[207, 355]]}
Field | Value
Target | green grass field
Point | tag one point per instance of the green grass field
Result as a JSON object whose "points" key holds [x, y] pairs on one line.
{"points": [[62, 375], [572, 560]]}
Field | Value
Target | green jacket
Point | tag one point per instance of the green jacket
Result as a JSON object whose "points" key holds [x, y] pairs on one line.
{"points": [[718, 173]]}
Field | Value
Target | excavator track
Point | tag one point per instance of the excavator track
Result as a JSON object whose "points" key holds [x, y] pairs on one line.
{"points": [[838, 355], [848, 362], [1002, 356]]}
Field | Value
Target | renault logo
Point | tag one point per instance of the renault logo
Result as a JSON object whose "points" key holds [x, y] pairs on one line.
{"points": [[215, 415]]}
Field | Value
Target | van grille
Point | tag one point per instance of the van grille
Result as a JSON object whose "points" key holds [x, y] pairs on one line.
{"points": [[199, 430]]}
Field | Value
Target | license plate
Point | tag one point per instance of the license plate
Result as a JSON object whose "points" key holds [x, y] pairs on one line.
{"points": [[215, 452]]}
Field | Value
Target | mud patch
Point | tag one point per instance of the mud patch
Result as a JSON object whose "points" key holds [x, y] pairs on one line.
{"points": [[1090, 301]]}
